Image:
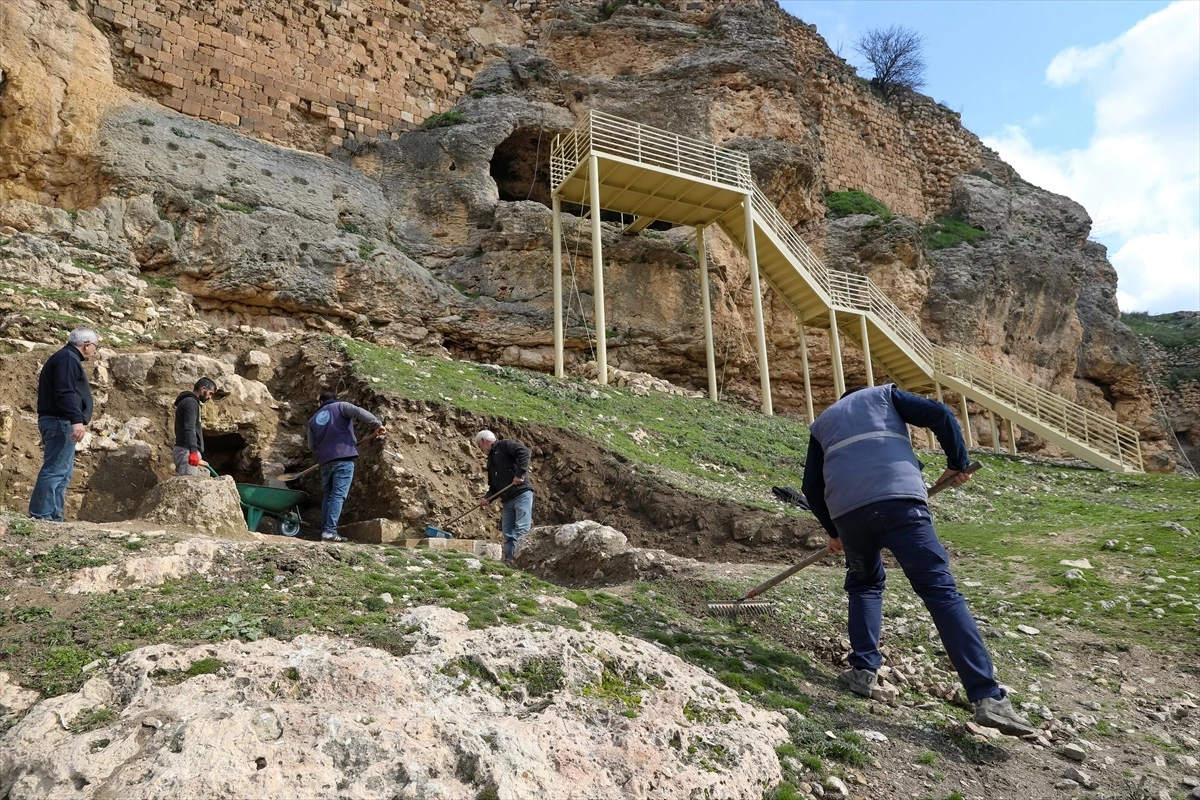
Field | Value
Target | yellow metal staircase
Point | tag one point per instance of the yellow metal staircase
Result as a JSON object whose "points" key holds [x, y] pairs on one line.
{"points": [[654, 174]]}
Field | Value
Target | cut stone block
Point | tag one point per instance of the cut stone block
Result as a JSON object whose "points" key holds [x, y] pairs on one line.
{"points": [[373, 531], [478, 547]]}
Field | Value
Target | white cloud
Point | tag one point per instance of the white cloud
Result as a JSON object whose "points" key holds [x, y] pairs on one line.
{"points": [[1139, 176], [1153, 283], [1072, 64]]}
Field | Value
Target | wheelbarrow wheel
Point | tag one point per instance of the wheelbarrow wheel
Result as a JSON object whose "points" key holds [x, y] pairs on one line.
{"points": [[289, 526]]}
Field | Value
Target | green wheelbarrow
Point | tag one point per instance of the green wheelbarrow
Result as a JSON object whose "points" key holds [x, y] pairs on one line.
{"points": [[279, 503]]}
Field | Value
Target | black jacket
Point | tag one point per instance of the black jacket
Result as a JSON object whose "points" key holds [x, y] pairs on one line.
{"points": [[63, 390], [188, 432], [508, 459]]}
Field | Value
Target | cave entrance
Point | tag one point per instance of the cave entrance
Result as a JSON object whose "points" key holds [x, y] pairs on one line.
{"points": [[223, 451], [521, 166], [521, 169]]}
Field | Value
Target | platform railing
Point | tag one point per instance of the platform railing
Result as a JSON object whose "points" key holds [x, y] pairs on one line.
{"points": [[647, 145], [1100, 433], [845, 291]]}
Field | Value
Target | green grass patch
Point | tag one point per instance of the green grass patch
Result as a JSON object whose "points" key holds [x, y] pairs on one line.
{"points": [[158, 283], [365, 249], [445, 119], [852, 202], [951, 232], [182, 134], [1179, 329], [715, 445], [65, 559], [91, 719], [170, 677], [242, 208], [21, 526], [541, 676]]}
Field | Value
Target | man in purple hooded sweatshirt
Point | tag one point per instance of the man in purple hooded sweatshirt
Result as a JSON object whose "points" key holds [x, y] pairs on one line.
{"points": [[331, 437]]}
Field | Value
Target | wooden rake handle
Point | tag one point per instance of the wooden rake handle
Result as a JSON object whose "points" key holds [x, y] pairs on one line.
{"points": [[783, 576], [476, 506], [820, 554], [291, 476], [970, 469]]}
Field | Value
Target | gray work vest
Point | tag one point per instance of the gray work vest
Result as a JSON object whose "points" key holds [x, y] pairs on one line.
{"points": [[868, 455]]}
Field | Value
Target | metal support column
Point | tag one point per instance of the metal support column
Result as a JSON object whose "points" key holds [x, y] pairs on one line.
{"points": [[995, 432], [556, 249], [804, 365], [598, 273], [929, 437], [1012, 438], [764, 377], [835, 356], [966, 422], [866, 349], [709, 354]]}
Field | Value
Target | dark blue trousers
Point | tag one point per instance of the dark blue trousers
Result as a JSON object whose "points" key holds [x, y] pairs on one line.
{"points": [[906, 529]]}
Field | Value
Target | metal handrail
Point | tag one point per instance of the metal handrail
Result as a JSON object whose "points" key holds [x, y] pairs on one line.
{"points": [[1102, 434], [647, 145], [846, 291]]}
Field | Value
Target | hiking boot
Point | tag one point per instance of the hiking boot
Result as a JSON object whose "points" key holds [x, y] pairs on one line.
{"points": [[332, 537], [860, 681], [998, 713]]}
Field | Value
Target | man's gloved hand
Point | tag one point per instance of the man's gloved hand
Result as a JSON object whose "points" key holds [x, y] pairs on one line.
{"points": [[193, 459]]}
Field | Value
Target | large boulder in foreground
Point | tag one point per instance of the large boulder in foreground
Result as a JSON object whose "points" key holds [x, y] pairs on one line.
{"points": [[206, 505], [508, 712], [588, 553]]}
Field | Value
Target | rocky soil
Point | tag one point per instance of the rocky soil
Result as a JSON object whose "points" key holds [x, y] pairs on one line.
{"points": [[283, 698]]}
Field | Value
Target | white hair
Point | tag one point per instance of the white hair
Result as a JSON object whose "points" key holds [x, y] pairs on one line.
{"points": [[81, 336], [484, 436]]}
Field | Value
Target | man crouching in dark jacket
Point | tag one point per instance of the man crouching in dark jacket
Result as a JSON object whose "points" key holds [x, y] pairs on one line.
{"points": [[508, 476], [189, 434]]}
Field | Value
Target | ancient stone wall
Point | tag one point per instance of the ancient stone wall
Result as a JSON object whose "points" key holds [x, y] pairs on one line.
{"points": [[313, 75], [903, 152]]}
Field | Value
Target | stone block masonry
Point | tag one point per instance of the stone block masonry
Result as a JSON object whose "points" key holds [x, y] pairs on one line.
{"points": [[313, 75]]}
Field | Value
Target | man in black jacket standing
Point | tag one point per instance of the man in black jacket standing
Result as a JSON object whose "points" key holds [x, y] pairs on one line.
{"points": [[64, 409], [508, 477], [189, 433]]}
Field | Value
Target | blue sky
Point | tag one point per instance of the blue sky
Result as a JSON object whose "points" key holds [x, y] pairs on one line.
{"points": [[1095, 99]]}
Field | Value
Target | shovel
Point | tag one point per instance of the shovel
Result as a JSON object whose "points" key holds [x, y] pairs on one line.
{"points": [[434, 532], [291, 476], [747, 605]]}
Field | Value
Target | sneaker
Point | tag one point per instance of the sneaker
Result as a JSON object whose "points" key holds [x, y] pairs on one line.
{"points": [[998, 713], [860, 681], [332, 537]]}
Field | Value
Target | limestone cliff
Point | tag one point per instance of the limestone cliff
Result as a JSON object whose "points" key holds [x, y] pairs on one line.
{"points": [[440, 237]]}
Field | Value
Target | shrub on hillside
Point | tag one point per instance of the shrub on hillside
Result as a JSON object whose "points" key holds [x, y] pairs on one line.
{"points": [[443, 120], [845, 204], [951, 232]]}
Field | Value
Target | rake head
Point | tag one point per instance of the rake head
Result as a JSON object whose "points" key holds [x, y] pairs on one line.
{"points": [[740, 608]]}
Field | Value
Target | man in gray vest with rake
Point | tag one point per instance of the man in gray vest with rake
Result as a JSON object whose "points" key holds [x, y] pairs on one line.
{"points": [[865, 487]]}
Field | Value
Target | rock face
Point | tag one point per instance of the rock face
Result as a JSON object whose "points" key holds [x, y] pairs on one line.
{"points": [[587, 552], [57, 83], [209, 505], [503, 712], [440, 238]]}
